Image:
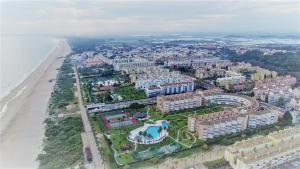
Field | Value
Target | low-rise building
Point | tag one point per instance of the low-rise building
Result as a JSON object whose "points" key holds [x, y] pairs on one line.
{"points": [[179, 101], [169, 83], [209, 73], [226, 81], [130, 63], [265, 151]]}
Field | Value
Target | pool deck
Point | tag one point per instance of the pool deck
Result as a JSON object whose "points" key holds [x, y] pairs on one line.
{"points": [[135, 132]]}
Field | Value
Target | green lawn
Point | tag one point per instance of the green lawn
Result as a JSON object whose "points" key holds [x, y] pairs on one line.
{"points": [[129, 92], [178, 122]]}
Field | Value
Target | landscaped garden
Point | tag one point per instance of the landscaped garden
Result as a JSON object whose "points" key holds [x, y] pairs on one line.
{"points": [[127, 152]]}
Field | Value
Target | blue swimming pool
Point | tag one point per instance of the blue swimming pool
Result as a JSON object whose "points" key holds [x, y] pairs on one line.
{"points": [[153, 131]]}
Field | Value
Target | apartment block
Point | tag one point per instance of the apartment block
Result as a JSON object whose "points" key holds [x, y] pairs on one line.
{"points": [[225, 81], [269, 151], [216, 124], [179, 101], [209, 73], [229, 121]]}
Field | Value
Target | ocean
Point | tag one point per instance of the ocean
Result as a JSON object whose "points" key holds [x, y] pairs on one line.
{"points": [[21, 55]]}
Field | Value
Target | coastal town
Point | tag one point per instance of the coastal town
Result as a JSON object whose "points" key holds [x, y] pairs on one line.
{"points": [[145, 104]]}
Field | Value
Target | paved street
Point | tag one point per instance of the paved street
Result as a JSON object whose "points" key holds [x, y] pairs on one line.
{"points": [[90, 140]]}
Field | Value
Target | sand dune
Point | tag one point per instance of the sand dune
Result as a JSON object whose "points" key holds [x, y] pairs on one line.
{"points": [[23, 112]]}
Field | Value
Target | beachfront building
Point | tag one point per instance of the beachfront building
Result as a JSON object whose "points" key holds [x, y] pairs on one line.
{"points": [[270, 151], [179, 101], [209, 73], [216, 124], [229, 121]]}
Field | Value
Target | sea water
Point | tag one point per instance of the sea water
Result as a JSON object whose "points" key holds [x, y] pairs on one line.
{"points": [[21, 55]]}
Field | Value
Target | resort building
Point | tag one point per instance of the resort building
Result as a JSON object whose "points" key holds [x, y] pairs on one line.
{"points": [[170, 88], [216, 124], [179, 101], [209, 73], [270, 151], [242, 102], [170, 83], [244, 115]]}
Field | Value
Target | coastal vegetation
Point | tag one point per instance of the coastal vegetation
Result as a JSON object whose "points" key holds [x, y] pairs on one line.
{"points": [[63, 92], [62, 147]]}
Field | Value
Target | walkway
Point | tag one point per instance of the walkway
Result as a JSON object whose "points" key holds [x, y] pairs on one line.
{"points": [[90, 139]]}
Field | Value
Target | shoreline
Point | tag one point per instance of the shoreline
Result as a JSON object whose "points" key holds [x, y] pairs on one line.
{"points": [[22, 122], [10, 90]]}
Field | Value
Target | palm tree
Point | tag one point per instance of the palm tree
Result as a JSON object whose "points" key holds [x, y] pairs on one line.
{"points": [[159, 130], [140, 133]]}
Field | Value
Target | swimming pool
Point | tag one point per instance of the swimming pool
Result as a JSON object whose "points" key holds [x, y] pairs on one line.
{"points": [[154, 130], [150, 133]]}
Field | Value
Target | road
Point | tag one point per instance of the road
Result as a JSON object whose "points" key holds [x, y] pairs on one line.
{"points": [[90, 139]]}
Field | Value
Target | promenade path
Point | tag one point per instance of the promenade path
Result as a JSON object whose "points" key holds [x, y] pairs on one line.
{"points": [[90, 139]]}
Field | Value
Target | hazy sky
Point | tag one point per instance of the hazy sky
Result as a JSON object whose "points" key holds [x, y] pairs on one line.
{"points": [[148, 17]]}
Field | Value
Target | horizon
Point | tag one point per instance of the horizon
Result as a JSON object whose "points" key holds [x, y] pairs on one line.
{"points": [[131, 18]]}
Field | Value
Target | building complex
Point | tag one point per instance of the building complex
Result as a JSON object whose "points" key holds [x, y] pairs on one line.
{"points": [[179, 101], [231, 120], [269, 151]]}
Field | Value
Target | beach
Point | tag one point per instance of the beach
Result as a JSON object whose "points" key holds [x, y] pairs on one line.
{"points": [[23, 111]]}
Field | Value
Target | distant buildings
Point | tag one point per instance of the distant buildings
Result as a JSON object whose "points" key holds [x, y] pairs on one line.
{"points": [[273, 89], [226, 81], [235, 83], [195, 62], [265, 151], [209, 73], [131, 63], [254, 72], [179, 101]]}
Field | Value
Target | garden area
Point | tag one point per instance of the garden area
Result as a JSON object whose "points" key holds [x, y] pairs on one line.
{"points": [[111, 93], [126, 152]]}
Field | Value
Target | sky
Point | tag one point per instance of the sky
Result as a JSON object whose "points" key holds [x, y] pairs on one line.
{"points": [[118, 17]]}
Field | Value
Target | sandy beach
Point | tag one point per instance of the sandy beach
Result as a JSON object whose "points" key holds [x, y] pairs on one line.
{"points": [[21, 126]]}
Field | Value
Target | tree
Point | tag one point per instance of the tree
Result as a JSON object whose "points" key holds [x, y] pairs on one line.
{"points": [[136, 106], [280, 102]]}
